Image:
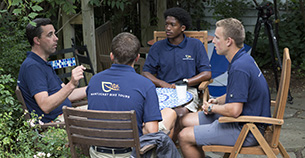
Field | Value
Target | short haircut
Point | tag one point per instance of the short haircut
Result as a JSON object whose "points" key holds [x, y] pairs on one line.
{"points": [[234, 29], [125, 48], [181, 15], [36, 31]]}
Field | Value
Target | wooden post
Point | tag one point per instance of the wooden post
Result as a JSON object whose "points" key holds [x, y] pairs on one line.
{"points": [[161, 7], [68, 31], [146, 33], [89, 31]]}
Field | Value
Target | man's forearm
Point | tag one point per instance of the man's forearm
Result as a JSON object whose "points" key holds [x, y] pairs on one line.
{"points": [[78, 94], [48, 103], [150, 127], [197, 79], [156, 81]]}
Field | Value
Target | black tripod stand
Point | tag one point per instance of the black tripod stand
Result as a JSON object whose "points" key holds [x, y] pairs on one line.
{"points": [[264, 12]]}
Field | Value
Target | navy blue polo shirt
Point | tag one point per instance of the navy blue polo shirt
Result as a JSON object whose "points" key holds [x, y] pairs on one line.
{"points": [[120, 88], [36, 76], [247, 84], [172, 63]]}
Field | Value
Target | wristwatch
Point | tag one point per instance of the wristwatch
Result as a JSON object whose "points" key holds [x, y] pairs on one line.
{"points": [[210, 108], [185, 80]]}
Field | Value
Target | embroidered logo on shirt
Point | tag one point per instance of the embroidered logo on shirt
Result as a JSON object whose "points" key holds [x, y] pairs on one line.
{"points": [[188, 57], [108, 86]]}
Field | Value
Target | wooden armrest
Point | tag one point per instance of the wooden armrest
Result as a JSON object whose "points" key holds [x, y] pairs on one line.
{"points": [[53, 124], [79, 103], [273, 102], [146, 148], [203, 85], [254, 119]]}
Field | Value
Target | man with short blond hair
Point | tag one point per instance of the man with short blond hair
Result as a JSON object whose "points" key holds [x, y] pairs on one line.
{"points": [[247, 94]]}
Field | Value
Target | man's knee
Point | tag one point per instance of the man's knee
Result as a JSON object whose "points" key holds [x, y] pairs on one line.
{"points": [[186, 135], [169, 118]]}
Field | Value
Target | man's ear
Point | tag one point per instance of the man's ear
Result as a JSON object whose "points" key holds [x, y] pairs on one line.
{"points": [[36, 40], [230, 41], [137, 58], [183, 27], [111, 56]]}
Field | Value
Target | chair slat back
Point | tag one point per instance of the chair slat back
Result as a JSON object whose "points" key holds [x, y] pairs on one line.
{"points": [[101, 128], [103, 37], [201, 35], [83, 58], [282, 94], [21, 100], [105, 62]]}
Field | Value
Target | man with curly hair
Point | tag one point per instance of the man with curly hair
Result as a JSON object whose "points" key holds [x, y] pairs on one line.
{"points": [[178, 58]]}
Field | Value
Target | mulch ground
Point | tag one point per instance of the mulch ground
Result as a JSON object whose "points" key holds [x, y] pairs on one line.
{"points": [[297, 81]]}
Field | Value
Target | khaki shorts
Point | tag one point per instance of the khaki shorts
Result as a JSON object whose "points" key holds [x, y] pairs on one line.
{"points": [[193, 106]]}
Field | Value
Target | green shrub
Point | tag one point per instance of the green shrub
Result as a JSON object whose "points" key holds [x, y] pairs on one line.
{"points": [[13, 50], [292, 35], [19, 137]]}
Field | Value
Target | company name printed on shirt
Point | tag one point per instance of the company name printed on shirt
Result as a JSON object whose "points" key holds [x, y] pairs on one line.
{"points": [[110, 95], [108, 87], [188, 57]]}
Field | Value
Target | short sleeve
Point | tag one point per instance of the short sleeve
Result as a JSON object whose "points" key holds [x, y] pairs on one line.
{"points": [[203, 62], [238, 87], [151, 106], [35, 79], [151, 63]]}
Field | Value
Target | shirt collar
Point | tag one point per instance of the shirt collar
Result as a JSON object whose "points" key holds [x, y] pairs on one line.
{"points": [[37, 58], [238, 54], [122, 67], [180, 45]]}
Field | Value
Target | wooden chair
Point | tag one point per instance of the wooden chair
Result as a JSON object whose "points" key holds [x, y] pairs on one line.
{"points": [[105, 61], [269, 144], [203, 37], [103, 38], [83, 58], [102, 128], [45, 125]]}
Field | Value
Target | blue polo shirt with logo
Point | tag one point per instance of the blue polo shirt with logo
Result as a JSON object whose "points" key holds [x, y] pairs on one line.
{"points": [[120, 88], [247, 84], [172, 63], [35, 76]]}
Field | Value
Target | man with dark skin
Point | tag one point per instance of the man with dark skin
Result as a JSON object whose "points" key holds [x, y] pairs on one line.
{"points": [[178, 58]]}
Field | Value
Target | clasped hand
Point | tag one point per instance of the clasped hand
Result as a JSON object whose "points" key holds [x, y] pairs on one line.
{"points": [[206, 105]]}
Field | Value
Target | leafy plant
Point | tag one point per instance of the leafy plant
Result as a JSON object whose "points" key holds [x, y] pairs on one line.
{"points": [[230, 9], [196, 10], [292, 35], [19, 137]]}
